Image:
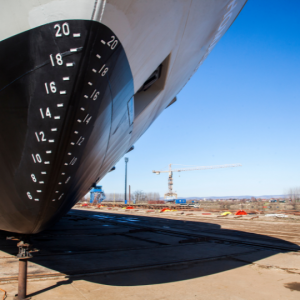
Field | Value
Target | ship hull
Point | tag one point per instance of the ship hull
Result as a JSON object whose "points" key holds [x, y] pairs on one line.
{"points": [[61, 105], [75, 93]]}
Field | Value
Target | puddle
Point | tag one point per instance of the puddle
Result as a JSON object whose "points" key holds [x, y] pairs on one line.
{"points": [[116, 219], [129, 220]]}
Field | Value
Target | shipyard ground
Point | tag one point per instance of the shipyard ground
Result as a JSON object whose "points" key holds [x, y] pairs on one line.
{"points": [[117, 254]]}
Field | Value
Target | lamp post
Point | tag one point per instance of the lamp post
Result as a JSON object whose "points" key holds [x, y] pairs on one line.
{"points": [[129, 196], [126, 161]]}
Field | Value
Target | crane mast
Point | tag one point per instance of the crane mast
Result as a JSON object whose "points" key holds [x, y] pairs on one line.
{"points": [[171, 194]]}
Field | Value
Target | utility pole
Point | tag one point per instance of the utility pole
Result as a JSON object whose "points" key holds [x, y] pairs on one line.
{"points": [[126, 161], [129, 196]]}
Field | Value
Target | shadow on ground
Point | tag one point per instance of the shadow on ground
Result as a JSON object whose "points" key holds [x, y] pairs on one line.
{"points": [[134, 250]]}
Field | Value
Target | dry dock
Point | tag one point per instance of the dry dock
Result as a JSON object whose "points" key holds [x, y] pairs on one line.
{"points": [[117, 254]]}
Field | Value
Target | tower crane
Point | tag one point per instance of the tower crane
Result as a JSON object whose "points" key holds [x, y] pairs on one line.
{"points": [[170, 194]]}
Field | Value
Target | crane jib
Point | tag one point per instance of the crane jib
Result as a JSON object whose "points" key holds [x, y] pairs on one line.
{"points": [[170, 194]]}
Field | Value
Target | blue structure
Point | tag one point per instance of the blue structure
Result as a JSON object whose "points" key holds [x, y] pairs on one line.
{"points": [[97, 194], [180, 201]]}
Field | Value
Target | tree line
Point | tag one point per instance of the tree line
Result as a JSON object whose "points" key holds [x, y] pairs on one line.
{"points": [[137, 196], [294, 194]]}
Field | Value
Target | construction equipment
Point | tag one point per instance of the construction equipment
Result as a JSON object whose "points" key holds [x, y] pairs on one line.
{"points": [[170, 195]]}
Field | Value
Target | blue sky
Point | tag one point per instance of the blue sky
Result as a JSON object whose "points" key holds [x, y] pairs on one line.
{"points": [[241, 106]]}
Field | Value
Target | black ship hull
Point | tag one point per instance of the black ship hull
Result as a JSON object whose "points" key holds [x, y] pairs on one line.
{"points": [[66, 93]]}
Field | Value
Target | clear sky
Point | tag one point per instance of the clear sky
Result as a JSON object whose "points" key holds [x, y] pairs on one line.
{"points": [[241, 106]]}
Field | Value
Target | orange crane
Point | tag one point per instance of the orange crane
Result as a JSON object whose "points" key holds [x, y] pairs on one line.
{"points": [[170, 194]]}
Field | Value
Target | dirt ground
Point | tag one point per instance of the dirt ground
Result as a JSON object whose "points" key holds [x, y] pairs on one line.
{"points": [[119, 255]]}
